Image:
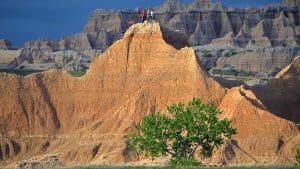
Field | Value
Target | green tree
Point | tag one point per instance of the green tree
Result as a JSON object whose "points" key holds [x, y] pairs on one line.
{"points": [[297, 158], [187, 129]]}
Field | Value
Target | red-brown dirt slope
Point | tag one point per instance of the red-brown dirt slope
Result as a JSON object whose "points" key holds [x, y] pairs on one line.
{"points": [[85, 119]]}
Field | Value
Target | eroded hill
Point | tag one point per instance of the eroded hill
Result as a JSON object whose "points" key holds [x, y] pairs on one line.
{"points": [[86, 119]]}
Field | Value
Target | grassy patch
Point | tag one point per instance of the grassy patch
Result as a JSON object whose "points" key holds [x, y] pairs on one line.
{"points": [[172, 167], [25, 72], [207, 54], [76, 73], [21, 72]]}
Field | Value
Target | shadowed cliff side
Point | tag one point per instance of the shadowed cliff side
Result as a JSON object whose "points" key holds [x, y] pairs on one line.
{"points": [[266, 117], [282, 94]]}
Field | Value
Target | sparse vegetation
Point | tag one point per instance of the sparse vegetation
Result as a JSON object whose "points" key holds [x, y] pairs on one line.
{"points": [[77, 73], [243, 73], [173, 167], [233, 73], [184, 162], [207, 54], [190, 128], [297, 158], [21, 72], [25, 72]]}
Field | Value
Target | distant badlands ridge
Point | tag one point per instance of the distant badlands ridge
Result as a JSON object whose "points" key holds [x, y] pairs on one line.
{"points": [[201, 21], [86, 120]]}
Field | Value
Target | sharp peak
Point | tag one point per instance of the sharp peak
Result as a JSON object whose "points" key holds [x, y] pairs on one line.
{"points": [[145, 27], [153, 30]]}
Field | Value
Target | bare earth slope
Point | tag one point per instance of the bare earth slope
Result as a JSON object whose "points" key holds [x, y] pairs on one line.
{"points": [[265, 117], [261, 135], [138, 74], [284, 91], [86, 120]]}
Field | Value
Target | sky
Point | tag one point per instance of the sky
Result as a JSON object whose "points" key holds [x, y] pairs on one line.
{"points": [[23, 20]]}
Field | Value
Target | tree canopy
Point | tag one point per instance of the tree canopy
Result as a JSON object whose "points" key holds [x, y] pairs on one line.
{"points": [[185, 130]]}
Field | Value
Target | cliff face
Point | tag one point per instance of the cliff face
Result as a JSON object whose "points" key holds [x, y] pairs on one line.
{"points": [[201, 21], [260, 59], [86, 120], [271, 33]]}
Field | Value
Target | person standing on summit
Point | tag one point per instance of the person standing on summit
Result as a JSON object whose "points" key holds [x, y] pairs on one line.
{"points": [[148, 14], [151, 15], [143, 15]]}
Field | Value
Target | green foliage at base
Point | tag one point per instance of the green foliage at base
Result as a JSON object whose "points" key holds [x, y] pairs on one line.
{"points": [[181, 167], [184, 162], [190, 128], [297, 158]]}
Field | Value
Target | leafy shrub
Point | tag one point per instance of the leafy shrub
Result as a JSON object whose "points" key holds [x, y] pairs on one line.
{"points": [[77, 73]]}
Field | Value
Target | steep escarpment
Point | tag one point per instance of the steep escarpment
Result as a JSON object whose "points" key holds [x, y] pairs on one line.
{"points": [[292, 71], [202, 21], [284, 91], [261, 136]]}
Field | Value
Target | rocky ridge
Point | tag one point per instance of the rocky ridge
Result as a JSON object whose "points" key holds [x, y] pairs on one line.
{"points": [[86, 119], [204, 22], [261, 30]]}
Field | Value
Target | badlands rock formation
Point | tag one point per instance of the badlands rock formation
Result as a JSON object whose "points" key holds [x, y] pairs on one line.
{"points": [[265, 117], [7, 53], [259, 60], [201, 21], [284, 91], [87, 119], [5, 44], [8, 56]]}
